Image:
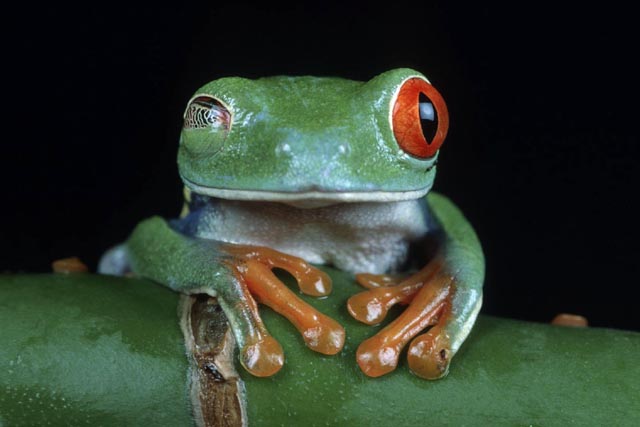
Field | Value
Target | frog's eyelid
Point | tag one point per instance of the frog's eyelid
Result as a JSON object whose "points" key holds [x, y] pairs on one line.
{"points": [[202, 97], [206, 112]]}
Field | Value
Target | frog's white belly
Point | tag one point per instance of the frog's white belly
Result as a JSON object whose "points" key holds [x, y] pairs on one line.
{"points": [[356, 237]]}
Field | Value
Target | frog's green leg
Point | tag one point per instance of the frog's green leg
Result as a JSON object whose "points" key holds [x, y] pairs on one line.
{"points": [[231, 273], [447, 293]]}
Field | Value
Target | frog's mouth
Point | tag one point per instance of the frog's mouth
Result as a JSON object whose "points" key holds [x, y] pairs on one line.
{"points": [[312, 198]]}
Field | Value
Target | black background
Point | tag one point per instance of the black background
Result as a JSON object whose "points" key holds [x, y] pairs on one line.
{"points": [[541, 154]]}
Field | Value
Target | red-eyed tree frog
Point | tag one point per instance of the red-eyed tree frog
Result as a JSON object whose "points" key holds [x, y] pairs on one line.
{"points": [[286, 172]]}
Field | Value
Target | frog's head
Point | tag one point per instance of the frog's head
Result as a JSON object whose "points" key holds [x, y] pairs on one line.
{"points": [[311, 141]]}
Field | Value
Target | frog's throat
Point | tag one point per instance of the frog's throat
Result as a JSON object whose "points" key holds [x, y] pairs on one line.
{"points": [[307, 199]]}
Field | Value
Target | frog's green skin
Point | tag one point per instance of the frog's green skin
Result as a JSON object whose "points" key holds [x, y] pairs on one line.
{"points": [[310, 147], [304, 137]]}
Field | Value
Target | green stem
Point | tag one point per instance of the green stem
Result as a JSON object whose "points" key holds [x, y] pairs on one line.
{"points": [[82, 348]]}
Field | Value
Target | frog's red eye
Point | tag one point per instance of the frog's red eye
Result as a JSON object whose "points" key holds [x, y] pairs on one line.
{"points": [[419, 118], [206, 112]]}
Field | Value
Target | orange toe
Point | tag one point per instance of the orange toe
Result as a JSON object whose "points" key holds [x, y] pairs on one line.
{"points": [[428, 354], [320, 333], [379, 354], [263, 358], [375, 358]]}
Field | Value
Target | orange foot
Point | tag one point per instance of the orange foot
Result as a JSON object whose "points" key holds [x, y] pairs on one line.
{"points": [[260, 353], [429, 294]]}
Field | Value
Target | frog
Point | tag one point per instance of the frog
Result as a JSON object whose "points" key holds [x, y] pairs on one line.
{"points": [[294, 172]]}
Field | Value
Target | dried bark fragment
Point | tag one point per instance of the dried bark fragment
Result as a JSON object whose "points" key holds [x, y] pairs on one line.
{"points": [[217, 392]]}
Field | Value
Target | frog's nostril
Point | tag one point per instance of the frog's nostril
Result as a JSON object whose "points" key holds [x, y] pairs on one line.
{"points": [[283, 149], [317, 150], [344, 149]]}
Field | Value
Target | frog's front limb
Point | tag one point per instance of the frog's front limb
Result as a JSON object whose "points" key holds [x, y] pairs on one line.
{"points": [[446, 294], [232, 273]]}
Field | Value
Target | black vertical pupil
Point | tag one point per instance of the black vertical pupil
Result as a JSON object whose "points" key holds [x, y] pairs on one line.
{"points": [[428, 117]]}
